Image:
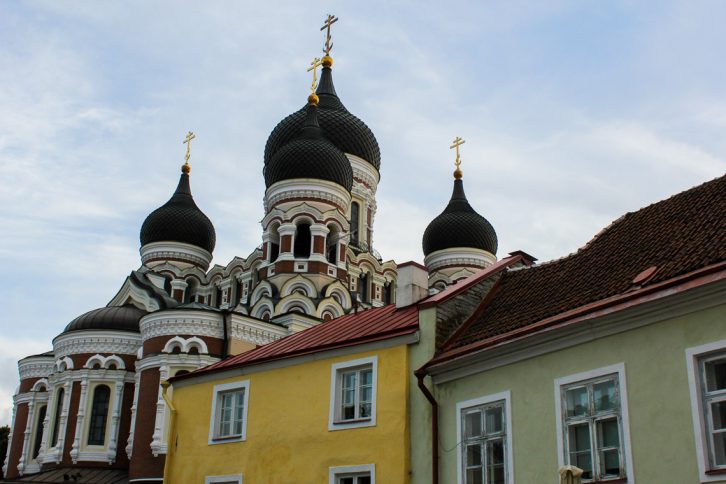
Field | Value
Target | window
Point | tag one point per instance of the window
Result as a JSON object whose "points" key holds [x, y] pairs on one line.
{"points": [[363, 474], [363, 292], [707, 382], [99, 414], [56, 417], [302, 241], [353, 394], [39, 431], [354, 223], [484, 431], [388, 293], [229, 412], [592, 424]]}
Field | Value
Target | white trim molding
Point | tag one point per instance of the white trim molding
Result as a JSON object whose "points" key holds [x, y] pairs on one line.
{"points": [[243, 385], [695, 386], [173, 322], [36, 366], [175, 250], [619, 370], [76, 342], [340, 471], [310, 188], [504, 396], [236, 478], [459, 256], [334, 423]]}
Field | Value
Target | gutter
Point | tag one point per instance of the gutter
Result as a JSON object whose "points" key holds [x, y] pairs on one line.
{"points": [[420, 375], [167, 464]]}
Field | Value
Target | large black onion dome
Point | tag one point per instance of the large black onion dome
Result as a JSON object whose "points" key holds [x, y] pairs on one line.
{"points": [[348, 133], [179, 220], [310, 155], [120, 318], [459, 226]]}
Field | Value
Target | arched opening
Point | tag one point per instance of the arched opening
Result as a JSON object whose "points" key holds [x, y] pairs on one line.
{"points": [[266, 316], [99, 414], [218, 296], [96, 366], [302, 241], [56, 417], [363, 289], [327, 316], [331, 249], [176, 350], [39, 431], [237, 292], [274, 247], [388, 293], [193, 350], [112, 366], [354, 223], [191, 291]]}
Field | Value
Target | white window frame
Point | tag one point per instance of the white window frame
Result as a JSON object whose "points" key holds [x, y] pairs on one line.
{"points": [[336, 393], [236, 478], [509, 454], [700, 423], [618, 369], [216, 396], [335, 472]]}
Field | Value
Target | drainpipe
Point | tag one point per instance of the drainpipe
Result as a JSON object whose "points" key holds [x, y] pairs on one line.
{"points": [[225, 342], [167, 464], [420, 375]]}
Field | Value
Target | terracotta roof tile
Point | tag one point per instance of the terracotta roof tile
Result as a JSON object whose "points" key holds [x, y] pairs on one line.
{"points": [[678, 235], [353, 329]]}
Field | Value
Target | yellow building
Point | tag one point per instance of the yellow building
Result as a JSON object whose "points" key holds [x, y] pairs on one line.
{"points": [[326, 405]]}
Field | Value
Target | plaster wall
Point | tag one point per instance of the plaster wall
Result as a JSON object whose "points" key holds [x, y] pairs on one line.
{"points": [[287, 438], [659, 405]]}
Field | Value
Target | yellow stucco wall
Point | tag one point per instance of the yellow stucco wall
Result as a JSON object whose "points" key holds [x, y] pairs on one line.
{"points": [[287, 439]]}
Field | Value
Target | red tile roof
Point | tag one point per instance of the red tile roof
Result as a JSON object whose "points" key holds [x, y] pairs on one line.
{"points": [[679, 235], [353, 329]]}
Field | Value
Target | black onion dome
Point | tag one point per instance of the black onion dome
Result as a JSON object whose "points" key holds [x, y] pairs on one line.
{"points": [[348, 133], [120, 318], [310, 155], [179, 220], [459, 226]]}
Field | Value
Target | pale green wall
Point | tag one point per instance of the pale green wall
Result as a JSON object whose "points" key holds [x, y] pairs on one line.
{"points": [[661, 430], [419, 408]]}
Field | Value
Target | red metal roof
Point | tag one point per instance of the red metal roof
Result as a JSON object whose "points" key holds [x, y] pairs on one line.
{"points": [[353, 329]]}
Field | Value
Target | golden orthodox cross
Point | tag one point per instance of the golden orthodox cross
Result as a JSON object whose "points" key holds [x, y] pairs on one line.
{"points": [[314, 67], [456, 143], [326, 25], [188, 141]]}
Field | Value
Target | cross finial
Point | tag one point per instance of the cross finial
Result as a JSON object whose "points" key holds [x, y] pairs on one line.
{"points": [[314, 67], [455, 144], [326, 25], [187, 141]]}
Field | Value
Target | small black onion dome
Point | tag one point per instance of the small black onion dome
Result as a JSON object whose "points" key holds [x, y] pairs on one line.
{"points": [[459, 226], [179, 220], [310, 155], [348, 133], [120, 318]]}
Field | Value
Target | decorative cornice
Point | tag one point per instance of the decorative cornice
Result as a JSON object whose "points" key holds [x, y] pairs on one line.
{"points": [[178, 321], [364, 171], [305, 188], [459, 257], [36, 367], [255, 331], [170, 250], [76, 342]]}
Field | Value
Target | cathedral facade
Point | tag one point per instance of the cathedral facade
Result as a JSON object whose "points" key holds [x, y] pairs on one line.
{"points": [[95, 402]]}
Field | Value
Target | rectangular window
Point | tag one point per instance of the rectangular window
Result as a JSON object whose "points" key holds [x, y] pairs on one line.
{"points": [[353, 394], [591, 424], [229, 412], [363, 474], [707, 379], [483, 429]]}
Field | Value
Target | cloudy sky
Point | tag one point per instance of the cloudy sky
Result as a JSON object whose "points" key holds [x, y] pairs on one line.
{"points": [[574, 112]]}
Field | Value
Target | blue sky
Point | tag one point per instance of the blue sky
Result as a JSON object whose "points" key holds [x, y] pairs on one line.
{"points": [[574, 113]]}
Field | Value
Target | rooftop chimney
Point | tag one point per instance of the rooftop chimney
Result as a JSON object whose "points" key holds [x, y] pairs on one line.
{"points": [[412, 284]]}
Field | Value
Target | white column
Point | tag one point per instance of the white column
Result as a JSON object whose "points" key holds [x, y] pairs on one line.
{"points": [[80, 419], [284, 230], [130, 444], [157, 438], [115, 417], [319, 230], [27, 436]]}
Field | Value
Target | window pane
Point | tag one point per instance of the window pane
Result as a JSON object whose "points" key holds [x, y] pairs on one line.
{"points": [[472, 424], [474, 476], [346, 480], [365, 410], [580, 452], [364, 480], [604, 396], [473, 455], [349, 380], [718, 410], [716, 375], [366, 394], [495, 462], [349, 396], [576, 402], [608, 433], [366, 377], [494, 419], [348, 412], [609, 463], [719, 448]]}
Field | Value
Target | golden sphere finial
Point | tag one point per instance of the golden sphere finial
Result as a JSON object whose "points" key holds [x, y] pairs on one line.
{"points": [[186, 168], [458, 174], [327, 61], [313, 99]]}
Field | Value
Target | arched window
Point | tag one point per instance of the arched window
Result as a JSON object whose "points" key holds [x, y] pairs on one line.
{"points": [[302, 241], [363, 288], [39, 431], [388, 293], [274, 243], [354, 222], [332, 244], [218, 296], [99, 415], [56, 417]]}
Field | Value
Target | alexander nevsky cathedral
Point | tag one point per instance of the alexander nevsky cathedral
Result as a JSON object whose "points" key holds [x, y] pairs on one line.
{"points": [[95, 399]]}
